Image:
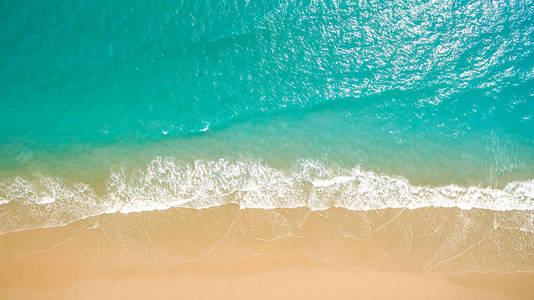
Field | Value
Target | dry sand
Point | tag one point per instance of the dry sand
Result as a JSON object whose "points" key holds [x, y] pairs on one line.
{"points": [[274, 278]]}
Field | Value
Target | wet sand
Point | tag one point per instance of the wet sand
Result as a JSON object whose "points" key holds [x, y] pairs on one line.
{"points": [[228, 253]]}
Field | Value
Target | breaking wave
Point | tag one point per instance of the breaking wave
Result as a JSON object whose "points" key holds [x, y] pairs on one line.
{"points": [[167, 182]]}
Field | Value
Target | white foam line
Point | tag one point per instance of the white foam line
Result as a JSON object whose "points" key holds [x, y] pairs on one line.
{"points": [[333, 181], [167, 182]]}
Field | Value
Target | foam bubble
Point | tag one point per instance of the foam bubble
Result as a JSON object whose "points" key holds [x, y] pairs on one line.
{"points": [[333, 181]]}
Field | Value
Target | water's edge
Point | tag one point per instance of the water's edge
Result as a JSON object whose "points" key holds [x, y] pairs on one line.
{"points": [[166, 182]]}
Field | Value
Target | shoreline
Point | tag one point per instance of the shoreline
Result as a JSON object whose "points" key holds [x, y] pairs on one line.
{"points": [[437, 253]]}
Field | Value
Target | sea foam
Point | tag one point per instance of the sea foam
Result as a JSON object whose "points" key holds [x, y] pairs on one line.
{"points": [[168, 182]]}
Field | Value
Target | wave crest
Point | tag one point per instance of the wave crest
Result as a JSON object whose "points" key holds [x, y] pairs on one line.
{"points": [[167, 182]]}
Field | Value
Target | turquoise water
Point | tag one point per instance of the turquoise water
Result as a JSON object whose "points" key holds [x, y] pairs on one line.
{"points": [[437, 93]]}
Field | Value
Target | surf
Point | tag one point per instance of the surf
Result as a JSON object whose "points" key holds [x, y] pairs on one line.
{"points": [[168, 182]]}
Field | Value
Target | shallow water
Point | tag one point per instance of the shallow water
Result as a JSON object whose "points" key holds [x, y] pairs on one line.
{"points": [[444, 240]]}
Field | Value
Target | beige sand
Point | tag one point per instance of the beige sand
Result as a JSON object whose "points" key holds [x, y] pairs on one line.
{"points": [[228, 253], [272, 278]]}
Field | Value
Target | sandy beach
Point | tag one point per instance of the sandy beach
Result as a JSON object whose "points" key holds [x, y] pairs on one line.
{"points": [[228, 253], [273, 278]]}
